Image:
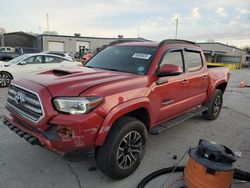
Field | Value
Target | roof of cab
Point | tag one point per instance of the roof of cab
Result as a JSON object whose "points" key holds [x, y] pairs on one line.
{"points": [[149, 44], [159, 44]]}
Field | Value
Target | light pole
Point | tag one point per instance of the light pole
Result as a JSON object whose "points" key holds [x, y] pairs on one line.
{"points": [[40, 29], [138, 31], [47, 15], [176, 30]]}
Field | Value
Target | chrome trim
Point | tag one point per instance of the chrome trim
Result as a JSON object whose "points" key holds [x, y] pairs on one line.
{"points": [[21, 113]]}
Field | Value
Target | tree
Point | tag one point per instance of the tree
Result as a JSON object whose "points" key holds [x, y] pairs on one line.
{"points": [[247, 49], [2, 31]]}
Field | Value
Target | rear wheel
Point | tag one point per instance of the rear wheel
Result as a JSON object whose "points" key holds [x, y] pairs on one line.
{"points": [[5, 79], [214, 106], [124, 148]]}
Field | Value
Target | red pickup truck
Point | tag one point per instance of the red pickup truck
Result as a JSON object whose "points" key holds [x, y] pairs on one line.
{"points": [[125, 92]]}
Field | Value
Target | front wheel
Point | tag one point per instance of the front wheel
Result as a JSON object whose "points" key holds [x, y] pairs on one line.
{"points": [[5, 79], [214, 106], [124, 148]]}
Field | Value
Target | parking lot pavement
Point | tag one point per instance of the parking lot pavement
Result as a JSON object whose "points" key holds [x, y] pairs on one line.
{"points": [[23, 165]]}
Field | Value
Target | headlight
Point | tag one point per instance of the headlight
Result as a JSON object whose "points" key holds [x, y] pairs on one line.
{"points": [[76, 105]]}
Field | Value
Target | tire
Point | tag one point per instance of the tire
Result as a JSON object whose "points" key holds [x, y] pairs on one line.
{"points": [[5, 79], [117, 158], [214, 106]]}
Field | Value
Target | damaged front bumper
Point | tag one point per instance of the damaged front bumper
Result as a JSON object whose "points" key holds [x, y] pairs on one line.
{"points": [[82, 136]]}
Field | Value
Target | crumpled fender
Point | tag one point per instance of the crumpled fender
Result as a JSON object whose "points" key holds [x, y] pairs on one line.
{"points": [[118, 112]]}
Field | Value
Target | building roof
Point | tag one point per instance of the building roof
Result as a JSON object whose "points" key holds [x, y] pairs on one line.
{"points": [[87, 37], [219, 43], [21, 33]]}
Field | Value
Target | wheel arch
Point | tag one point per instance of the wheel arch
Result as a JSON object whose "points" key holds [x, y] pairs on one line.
{"points": [[137, 108], [222, 86], [8, 73]]}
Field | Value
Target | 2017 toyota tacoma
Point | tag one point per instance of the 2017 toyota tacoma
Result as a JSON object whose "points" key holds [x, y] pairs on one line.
{"points": [[125, 92]]}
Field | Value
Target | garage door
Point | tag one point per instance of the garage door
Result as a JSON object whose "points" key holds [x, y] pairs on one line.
{"points": [[81, 43], [56, 46], [228, 59]]}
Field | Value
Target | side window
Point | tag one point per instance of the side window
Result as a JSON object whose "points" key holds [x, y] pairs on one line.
{"points": [[193, 61], [51, 59], [34, 60], [174, 58]]}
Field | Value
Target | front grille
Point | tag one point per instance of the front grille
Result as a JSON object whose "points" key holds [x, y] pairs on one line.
{"points": [[25, 102]]}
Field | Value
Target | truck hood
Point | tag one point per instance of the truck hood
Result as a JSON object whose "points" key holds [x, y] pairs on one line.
{"points": [[74, 81]]}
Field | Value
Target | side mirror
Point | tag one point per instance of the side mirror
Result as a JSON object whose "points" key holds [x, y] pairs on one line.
{"points": [[22, 63], [169, 70]]}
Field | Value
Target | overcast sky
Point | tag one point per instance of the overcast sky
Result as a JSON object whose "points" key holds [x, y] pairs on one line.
{"points": [[227, 21]]}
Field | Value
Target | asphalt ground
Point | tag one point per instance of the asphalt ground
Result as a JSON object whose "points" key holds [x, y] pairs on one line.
{"points": [[23, 165]]}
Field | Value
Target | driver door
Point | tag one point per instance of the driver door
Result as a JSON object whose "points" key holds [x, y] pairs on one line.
{"points": [[171, 91]]}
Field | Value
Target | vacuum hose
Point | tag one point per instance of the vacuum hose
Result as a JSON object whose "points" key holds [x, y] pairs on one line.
{"points": [[238, 175], [160, 172], [241, 175]]}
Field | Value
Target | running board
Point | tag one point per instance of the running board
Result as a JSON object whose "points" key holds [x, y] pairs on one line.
{"points": [[176, 121]]}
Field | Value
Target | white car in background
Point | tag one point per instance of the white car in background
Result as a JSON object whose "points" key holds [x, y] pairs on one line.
{"points": [[62, 54], [7, 49], [28, 63]]}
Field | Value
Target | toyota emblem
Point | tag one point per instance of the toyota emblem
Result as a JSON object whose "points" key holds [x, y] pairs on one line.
{"points": [[19, 98]]}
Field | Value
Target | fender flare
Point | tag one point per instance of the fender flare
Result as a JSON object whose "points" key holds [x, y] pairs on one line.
{"points": [[118, 112], [213, 87]]}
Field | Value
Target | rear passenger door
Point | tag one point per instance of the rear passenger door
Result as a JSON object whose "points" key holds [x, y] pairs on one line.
{"points": [[197, 75]]}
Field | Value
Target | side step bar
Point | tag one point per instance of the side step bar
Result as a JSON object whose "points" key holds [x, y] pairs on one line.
{"points": [[176, 121], [28, 137]]}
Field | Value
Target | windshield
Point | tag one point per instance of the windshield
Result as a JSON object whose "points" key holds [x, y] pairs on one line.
{"points": [[18, 59], [132, 59]]}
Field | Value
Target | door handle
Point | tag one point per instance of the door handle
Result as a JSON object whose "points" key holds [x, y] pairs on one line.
{"points": [[160, 82], [185, 81], [204, 77]]}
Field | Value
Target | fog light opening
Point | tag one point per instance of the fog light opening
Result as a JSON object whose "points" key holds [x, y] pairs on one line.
{"points": [[64, 133]]}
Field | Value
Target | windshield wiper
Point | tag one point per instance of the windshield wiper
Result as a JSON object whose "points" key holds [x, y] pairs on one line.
{"points": [[103, 68], [111, 69], [89, 66]]}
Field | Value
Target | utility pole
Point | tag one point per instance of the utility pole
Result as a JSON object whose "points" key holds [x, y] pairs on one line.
{"points": [[176, 30], [47, 15], [138, 31], [40, 29]]}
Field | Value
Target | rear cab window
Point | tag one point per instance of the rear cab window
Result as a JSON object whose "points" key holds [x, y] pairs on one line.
{"points": [[193, 60]]}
